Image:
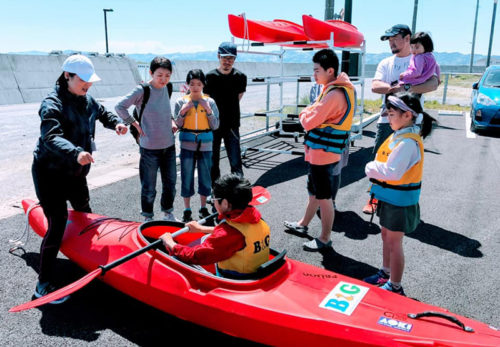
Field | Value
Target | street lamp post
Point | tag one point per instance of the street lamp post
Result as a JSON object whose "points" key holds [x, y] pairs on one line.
{"points": [[473, 39], [106, 26], [492, 30]]}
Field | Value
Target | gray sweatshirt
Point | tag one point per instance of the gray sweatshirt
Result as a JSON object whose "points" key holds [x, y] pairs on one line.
{"points": [[156, 119]]}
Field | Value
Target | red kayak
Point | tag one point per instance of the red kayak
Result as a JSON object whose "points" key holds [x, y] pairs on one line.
{"points": [[344, 34], [288, 303], [277, 30]]}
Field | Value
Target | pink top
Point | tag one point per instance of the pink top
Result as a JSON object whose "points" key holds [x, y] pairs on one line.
{"points": [[422, 67], [329, 110]]}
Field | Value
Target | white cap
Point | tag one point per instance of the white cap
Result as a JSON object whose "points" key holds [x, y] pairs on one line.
{"points": [[82, 66]]}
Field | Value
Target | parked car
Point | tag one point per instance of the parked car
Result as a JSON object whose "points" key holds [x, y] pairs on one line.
{"points": [[485, 104]]}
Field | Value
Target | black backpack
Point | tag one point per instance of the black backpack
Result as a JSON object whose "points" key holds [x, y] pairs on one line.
{"points": [[138, 115]]}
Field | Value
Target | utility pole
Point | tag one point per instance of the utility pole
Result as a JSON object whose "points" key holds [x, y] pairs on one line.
{"points": [[106, 26], [346, 56], [491, 32], [329, 9], [473, 39], [415, 10]]}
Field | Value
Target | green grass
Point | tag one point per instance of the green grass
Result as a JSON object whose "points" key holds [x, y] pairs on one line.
{"points": [[463, 81]]}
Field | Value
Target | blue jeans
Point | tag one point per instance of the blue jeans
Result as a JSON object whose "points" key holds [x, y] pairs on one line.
{"points": [[190, 160], [152, 160], [232, 143]]}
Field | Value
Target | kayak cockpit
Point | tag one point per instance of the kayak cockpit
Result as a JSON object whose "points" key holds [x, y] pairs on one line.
{"points": [[151, 231]]}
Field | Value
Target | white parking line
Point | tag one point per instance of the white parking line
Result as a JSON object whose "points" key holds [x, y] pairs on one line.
{"points": [[469, 134]]}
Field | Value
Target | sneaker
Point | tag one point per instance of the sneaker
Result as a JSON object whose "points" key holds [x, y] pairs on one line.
{"points": [[388, 286], [148, 219], [294, 226], [370, 207], [316, 245], [186, 216], [378, 279], [203, 212], [169, 217], [45, 288]]}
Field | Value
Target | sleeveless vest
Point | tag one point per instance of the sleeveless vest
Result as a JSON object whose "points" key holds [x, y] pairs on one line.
{"points": [[196, 127], [256, 251], [333, 137], [406, 190]]}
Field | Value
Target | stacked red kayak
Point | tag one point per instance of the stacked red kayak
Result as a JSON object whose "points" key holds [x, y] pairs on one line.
{"points": [[296, 304], [279, 30]]}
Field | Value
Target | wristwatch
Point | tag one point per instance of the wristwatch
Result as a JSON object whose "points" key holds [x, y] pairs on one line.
{"points": [[407, 87]]}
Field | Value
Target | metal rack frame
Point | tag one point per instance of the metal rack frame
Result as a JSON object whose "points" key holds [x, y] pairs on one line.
{"points": [[356, 131]]}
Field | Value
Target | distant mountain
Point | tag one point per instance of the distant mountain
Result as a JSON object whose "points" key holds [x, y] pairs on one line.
{"points": [[443, 58], [296, 56]]}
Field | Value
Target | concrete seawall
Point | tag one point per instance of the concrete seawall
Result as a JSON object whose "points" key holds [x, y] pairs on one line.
{"points": [[29, 78]]}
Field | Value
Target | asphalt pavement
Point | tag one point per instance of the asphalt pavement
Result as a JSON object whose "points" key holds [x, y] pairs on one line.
{"points": [[451, 259]]}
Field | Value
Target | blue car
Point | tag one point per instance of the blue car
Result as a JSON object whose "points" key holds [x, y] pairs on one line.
{"points": [[485, 106]]}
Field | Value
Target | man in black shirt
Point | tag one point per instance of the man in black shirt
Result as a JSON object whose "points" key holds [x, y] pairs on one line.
{"points": [[226, 85]]}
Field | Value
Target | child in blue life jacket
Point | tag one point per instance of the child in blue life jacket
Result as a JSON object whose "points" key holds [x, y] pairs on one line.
{"points": [[196, 115], [396, 176]]}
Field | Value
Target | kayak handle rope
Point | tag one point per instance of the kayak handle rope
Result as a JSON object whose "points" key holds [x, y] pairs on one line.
{"points": [[18, 243], [441, 315]]}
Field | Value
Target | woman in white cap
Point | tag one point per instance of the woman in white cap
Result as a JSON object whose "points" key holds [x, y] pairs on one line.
{"points": [[63, 155]]}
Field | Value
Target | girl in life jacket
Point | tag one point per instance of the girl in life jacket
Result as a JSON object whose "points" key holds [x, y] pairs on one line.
{"points": [[196, 115], [396, 176]]}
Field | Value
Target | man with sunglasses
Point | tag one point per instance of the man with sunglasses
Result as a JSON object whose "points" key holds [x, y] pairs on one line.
{"points": [[226, 85]]}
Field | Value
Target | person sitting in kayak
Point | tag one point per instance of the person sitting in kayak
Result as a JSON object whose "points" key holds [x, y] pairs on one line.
{"points": [[238, 245]]}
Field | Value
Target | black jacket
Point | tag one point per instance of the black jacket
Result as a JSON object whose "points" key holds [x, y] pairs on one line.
{"points": [[68, 128]]}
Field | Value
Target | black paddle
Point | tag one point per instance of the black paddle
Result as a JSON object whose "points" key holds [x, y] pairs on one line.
{"points": [[101, 270]]}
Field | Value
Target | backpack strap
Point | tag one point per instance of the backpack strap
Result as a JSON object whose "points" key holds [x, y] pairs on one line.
{"points": [[145, 99], [170, 89]]}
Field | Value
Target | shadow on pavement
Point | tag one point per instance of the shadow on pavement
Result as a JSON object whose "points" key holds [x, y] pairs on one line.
{"points": [[341, 264], [355, 169], [495, 133], [289, 170], [353, 226], [447, 240]]}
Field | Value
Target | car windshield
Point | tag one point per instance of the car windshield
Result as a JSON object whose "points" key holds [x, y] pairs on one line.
{"points": [[492, 79]]}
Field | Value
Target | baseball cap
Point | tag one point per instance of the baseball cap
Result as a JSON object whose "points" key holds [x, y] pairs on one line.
{"points": [[402, 29], [82, 66], [227, 49]]}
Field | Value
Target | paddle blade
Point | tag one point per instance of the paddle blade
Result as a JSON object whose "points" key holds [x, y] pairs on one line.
{"points": [[60, 293], [260, 196]]}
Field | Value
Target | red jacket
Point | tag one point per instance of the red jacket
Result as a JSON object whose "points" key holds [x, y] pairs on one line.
{"points": [[222, 243]]}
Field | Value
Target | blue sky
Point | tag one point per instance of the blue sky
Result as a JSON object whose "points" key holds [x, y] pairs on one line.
{"points": [[166, 26]]}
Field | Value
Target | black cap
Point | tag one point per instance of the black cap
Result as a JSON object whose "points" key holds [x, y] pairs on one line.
{"points": [[227, 49], [402, 29]]}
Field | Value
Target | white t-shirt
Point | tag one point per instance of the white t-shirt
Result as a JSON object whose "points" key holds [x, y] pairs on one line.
{"points": [[388, 71]]}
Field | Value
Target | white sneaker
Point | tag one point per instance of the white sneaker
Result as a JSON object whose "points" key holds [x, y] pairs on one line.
{"points": [[169, 217]]}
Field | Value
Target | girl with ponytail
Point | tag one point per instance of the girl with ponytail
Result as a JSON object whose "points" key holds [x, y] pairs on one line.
{"points": [[396, 176]]}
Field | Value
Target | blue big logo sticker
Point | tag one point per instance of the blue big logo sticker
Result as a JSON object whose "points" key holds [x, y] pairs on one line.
{"points": [[344, 298], [395, 324]]}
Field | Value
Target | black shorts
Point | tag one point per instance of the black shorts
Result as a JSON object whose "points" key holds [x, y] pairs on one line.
{"points": [[320, 181]]}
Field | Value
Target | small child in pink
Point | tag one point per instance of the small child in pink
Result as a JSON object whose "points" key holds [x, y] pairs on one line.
{"points": [[423, 65]]}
